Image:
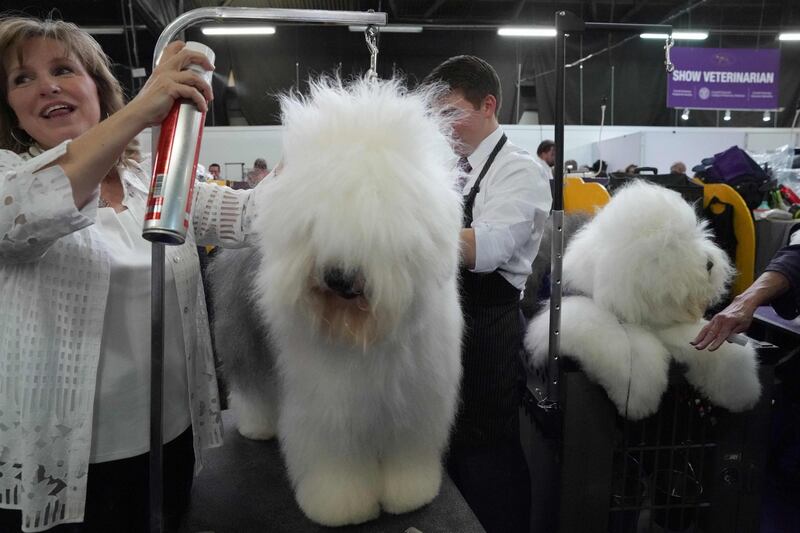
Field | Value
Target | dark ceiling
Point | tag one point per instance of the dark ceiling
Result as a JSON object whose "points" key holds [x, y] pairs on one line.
{"points": [[716, 15], [729, 17], [737, 23]]}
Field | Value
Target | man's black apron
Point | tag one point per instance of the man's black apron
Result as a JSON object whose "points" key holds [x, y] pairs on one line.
{"points": [[492, 370]]}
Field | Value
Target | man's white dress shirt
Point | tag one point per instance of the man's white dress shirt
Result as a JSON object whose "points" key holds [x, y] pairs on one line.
{"points": [[510, 209]]}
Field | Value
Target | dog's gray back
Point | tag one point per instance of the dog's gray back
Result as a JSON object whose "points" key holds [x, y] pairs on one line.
{"points": [[241, 335]]}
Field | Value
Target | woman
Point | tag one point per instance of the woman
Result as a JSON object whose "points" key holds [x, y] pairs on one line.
{"points": [[75, 287]]}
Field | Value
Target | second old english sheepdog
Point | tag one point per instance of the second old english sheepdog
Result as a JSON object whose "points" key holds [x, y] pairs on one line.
{"points": [[342, 329], [641, 275]]}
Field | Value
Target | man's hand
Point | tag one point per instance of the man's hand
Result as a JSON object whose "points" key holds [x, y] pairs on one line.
{"points": [[735, 318], [738, 316]]}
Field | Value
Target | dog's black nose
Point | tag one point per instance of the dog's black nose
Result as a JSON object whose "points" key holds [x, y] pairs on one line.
{"points": [[341, 282]]}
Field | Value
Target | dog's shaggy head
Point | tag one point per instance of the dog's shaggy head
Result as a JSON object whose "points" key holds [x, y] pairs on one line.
{"points": [[647, 258], [363, 221]]}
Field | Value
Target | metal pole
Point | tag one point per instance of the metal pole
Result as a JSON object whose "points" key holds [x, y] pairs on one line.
{"points": [[615, 26], [158, 254], [611, 122], [580, 83], [580, 90], [558, 216], [156, 388], [519, 83], [206, 14]]}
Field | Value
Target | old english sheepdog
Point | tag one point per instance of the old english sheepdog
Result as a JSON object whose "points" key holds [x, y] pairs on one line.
{"points": [[641, 274], [341, 330]]}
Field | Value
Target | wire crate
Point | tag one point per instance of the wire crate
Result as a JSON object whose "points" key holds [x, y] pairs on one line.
{"points": [[691, 467]]}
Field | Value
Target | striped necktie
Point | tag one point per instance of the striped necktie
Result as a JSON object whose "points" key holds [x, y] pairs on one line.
{"points": [[464, 170]]}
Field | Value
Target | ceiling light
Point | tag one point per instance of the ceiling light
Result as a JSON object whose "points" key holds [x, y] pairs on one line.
{"points": [[529, 31], [685, 114], [727, 115], [766, 116], [238, 30], [678, 35], [690, 35], [792, 36], [393, 28]]}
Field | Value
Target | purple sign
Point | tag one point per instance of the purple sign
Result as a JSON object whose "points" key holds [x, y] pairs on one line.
{"points": [[724, 78]]}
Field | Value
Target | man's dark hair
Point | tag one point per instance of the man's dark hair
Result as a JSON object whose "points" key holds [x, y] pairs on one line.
{"points": [[545, 146], [471, 75], [214, 165]]}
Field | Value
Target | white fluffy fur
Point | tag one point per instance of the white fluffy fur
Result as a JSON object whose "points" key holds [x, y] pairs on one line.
{"points": [[367, 399], [642, 264]]}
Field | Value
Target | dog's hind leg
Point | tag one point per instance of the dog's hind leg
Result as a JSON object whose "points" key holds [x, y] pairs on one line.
{"points": [[243, 343], [256, 411]]}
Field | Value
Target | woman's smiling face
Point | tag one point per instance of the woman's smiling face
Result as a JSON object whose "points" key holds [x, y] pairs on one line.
{"points": [[52, 95]]}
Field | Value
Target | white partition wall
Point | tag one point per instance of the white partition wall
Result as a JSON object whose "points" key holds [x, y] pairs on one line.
{"points": [[763, 141], [661, 149], [234, 146], [657, 146], [620, 152]]}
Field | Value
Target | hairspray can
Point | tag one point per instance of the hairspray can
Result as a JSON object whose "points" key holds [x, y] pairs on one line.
{"points": [[169, 204]]}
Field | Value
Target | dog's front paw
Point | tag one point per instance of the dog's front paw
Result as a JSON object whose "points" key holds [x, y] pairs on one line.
{"points": [[254, 420], [411, 483], [338, 496], [732, 380]]}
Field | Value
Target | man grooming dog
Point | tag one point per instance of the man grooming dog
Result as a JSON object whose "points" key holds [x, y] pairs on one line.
{"points": [[506, 202]]}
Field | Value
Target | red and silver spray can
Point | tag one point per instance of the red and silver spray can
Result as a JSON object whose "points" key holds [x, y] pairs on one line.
{"points": [[169, 204]]}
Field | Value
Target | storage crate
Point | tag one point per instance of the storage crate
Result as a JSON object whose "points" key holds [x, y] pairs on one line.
{"points": [[691, 467]]}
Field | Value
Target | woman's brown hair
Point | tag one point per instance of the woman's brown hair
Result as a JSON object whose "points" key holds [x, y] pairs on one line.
{"points": [[77, 43]]}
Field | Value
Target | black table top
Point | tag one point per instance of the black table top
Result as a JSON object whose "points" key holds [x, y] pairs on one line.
{"points": [[243, 488]]}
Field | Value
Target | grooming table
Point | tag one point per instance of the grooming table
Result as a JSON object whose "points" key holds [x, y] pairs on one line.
{"points": [[243, 488]]}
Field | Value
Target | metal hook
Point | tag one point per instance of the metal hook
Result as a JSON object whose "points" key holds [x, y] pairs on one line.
{"points": [[371, 35], [667, 47]]}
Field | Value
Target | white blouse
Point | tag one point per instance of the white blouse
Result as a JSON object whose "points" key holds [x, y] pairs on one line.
{"points": [[122, 397], [55, 275]]}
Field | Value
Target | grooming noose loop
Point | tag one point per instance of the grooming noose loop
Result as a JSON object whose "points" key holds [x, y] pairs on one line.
{"points": [[667, 47], [371, 35]]}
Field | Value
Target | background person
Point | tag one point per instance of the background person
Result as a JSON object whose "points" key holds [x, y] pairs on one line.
{"points": [[258, 173], [678, 167], [214, 171]]}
